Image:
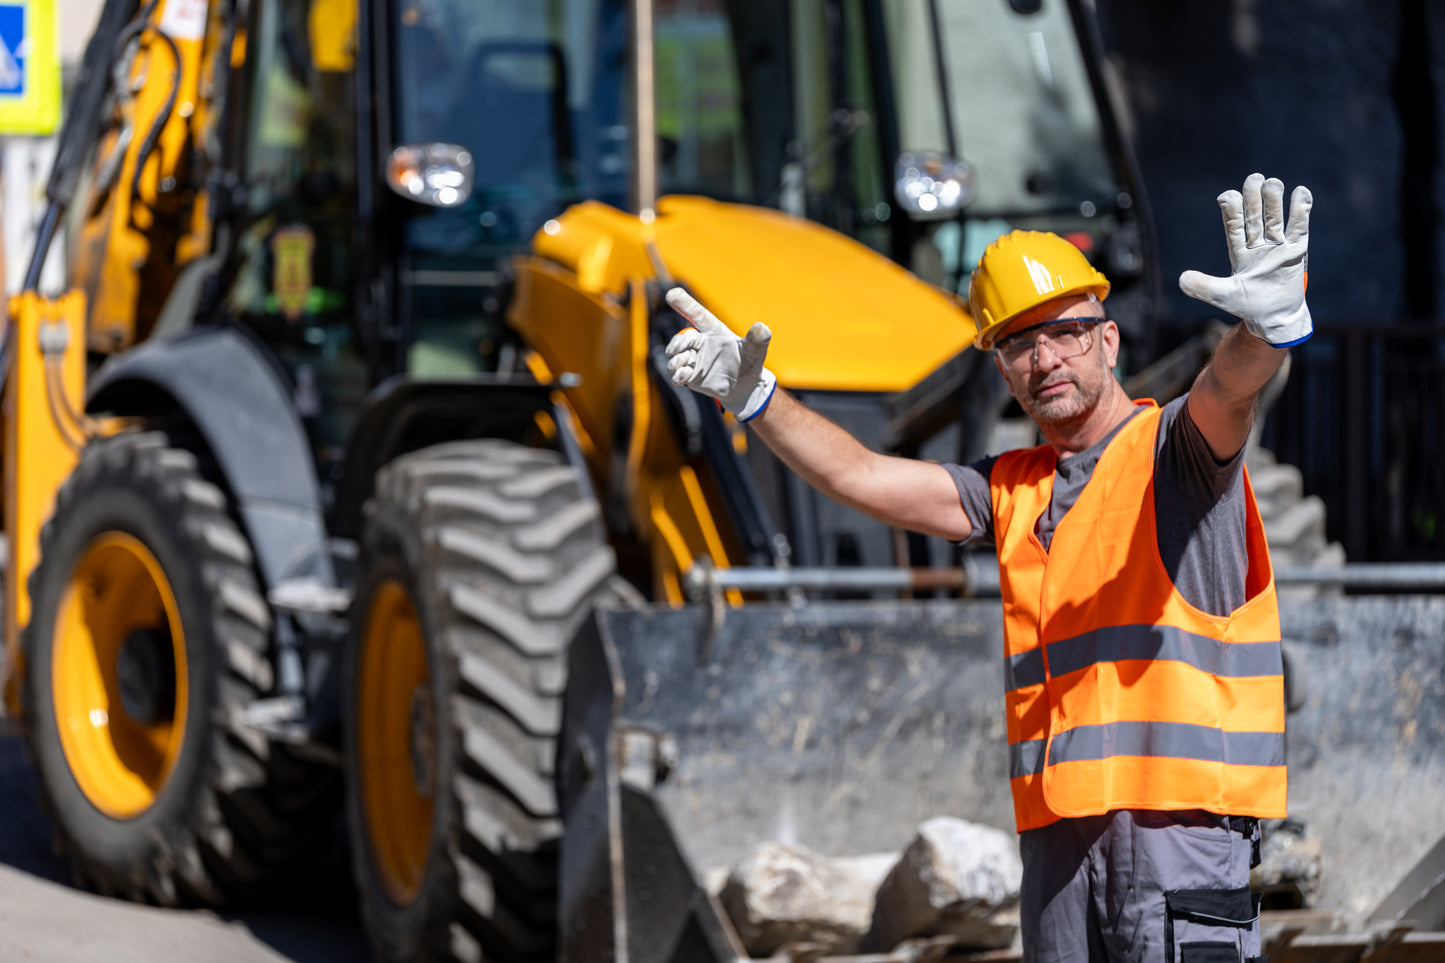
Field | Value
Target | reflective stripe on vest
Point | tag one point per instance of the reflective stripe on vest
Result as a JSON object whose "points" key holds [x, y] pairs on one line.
{"points": [[1163, 739], [1118, 692], [1159, 642]]}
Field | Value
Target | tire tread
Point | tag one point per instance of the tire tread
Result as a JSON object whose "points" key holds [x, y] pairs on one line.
{"points": [[249, 825], [509, 557]]}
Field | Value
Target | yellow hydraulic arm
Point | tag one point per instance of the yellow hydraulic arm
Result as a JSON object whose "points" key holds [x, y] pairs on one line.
{"points": [[44, 432], [146, 215], [143, 217]]}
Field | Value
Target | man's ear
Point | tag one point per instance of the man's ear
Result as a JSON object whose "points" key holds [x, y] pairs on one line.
{"points": [[1109, 336]]}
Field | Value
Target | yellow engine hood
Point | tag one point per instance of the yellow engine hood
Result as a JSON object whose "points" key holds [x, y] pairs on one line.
{"points": [[843, 317]]}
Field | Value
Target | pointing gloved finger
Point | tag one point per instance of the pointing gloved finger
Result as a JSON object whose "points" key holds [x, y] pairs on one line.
{"points": [[687, 306], [1231, 206], [1253, 221], [1300, 203], [1272, 195]]}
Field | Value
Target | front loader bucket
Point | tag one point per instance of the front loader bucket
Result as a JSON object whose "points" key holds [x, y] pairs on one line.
{"points": [[1366, 742], [843, 725], [839, 726]]}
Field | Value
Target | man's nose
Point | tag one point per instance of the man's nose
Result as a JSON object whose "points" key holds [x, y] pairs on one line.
{"points": [[1053, 359]]}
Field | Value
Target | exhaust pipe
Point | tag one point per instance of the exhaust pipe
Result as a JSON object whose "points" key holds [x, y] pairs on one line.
{"points": [[644, 113]]}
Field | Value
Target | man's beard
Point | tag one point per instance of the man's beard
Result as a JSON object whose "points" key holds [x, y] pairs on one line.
{"points": [[1073, 407]]}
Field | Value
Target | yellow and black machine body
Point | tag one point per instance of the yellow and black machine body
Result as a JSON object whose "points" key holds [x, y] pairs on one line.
{"points": [[351, 420]]}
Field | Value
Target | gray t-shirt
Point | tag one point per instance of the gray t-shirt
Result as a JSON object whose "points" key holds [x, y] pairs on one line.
{"points": [[1198, 502]]}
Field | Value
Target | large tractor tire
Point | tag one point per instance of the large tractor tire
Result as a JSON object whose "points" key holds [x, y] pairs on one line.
{"points": [[478, 561], [147, 639]]}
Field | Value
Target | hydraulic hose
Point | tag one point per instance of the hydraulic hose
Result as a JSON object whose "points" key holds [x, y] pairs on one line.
{"points": [[64, 426], [162, 117]]}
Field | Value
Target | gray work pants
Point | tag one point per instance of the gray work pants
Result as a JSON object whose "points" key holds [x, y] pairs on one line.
{"points": [[1135, 886]]}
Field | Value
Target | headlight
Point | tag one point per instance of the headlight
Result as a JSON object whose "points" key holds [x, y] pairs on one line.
{"points": [[929, 185], [436, 174]]}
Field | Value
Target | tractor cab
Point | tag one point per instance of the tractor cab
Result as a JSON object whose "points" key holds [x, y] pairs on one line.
{"points": [[390, 164]]}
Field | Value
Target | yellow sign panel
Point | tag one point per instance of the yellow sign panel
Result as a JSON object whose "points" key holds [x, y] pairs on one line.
{"points": [[332, 27], [29, 68]]}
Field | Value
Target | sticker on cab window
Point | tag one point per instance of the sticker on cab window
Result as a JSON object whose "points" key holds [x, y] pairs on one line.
{"points": [[291, 248]]}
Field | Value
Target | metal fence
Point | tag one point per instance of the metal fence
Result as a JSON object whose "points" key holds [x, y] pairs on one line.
{"points": [[1363, 418]]}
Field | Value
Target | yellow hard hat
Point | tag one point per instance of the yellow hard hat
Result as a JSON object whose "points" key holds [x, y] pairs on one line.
{"points": [[1022, 270]]}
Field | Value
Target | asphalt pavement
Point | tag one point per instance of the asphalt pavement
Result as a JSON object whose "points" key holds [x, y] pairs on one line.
{"points": [[44, 918]]}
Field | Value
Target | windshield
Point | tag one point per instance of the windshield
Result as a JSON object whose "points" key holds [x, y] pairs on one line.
{"points": [[540, 93], [534, 91], [804, 106], [1005, 92], [1023, 109], [1009, 94]]}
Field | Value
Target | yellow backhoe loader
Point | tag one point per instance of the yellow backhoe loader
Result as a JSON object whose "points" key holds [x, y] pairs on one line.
{"points": [[344, 465]]}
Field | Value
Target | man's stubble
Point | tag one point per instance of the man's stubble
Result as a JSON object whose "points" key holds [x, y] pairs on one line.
{"points": [[1073, 407]]}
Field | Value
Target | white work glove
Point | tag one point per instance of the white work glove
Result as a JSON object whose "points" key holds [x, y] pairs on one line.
{"points": [[710, 359], [1269, 259]]}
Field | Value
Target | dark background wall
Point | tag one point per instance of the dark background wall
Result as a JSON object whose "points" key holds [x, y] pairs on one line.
{"points": [[1344, 96], [1340, 95]]}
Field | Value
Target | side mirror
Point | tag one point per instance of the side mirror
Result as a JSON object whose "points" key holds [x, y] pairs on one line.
{"points": [[929, 185], [435, 174]]}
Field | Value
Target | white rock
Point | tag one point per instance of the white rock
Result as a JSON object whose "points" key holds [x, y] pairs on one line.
{"points": [[956, 878], [781, 894]]}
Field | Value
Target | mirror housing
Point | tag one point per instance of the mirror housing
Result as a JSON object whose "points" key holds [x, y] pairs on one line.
{"points": [[436, 174]]}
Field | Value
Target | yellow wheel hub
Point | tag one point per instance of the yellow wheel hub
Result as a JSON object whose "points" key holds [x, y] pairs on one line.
{"points": [[116, 593], [396, 741]]}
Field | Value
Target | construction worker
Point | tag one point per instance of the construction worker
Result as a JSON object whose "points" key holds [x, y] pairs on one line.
{"points": [[1144, 687]]}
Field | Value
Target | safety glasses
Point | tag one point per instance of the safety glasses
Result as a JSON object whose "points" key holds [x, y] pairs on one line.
{"points": [[1066, 337]]}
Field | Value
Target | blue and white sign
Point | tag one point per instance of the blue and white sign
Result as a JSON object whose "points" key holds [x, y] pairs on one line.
{"points": [[29, 67], [13, 48]]}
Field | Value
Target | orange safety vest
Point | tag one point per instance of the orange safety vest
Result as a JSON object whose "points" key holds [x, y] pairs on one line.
{"points": [[1120, 693]]}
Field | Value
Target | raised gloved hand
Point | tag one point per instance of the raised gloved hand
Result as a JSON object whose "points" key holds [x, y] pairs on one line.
{"points": [[1268, 257], [710, 359]]}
